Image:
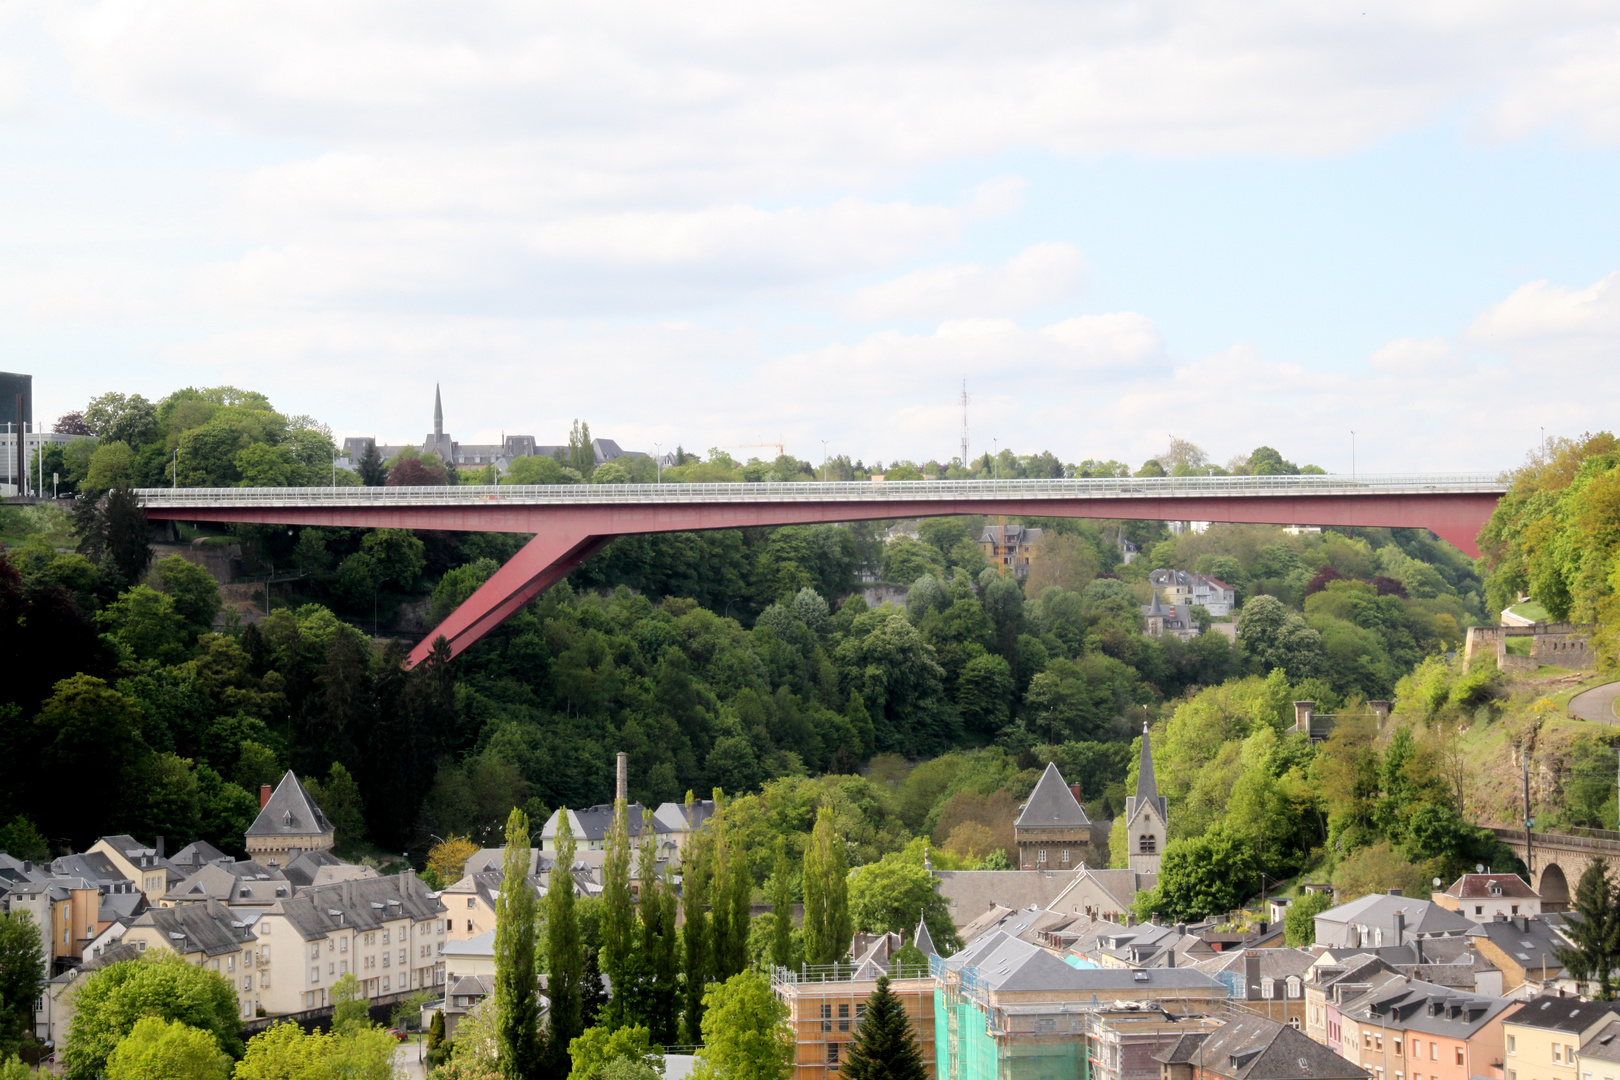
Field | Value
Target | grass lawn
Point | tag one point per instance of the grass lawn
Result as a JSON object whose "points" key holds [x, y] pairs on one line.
{"points": [[1531, 610]]}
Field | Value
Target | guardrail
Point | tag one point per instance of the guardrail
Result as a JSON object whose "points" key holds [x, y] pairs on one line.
{"points": [[1591, 839], [810, 491]]}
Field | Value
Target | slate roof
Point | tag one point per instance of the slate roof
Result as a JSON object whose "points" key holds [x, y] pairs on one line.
{"points": [[924, 940], [232, 882], [1147, 789], [194, 856], [970, 893], [1121, 885], [290, 812], [364, 904], [593, 823], [1478, 887], [478, 945], [1254, 1048], [211, 928], [1549, 1012], [1529, 940], [1006, 963], [1603, 1046], [1425, 1007], [1052, 805], [306, 869], [1423, 917], [90, 865]]}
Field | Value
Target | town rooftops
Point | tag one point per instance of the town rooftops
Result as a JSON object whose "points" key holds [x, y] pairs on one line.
{"points": [[1604, 1045], [1425, 1007], [363, 904], [1486, 886], [592, 824], [1005, 963], [290, 812], [210, 928], [1254, 1048], [1378, 911], [970, 893], [1569, 1015], [194, 856], [1052, 805], [1527, 939], [90, 865], [232, 882], [480, 945]]}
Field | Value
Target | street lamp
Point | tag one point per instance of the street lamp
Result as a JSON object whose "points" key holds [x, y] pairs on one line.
{"points": [[823, 461], [1352, 455], [995, 458], [658, 462]]}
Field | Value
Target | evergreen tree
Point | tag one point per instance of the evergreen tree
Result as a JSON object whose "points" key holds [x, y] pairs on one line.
{"points": [[1596, 935], [566, 955], [373, 472], [435, 1039], [728, 897], [695, 934], [782, 908], [884, 1047], [827, 926], [618, 923], [517, 1008]]}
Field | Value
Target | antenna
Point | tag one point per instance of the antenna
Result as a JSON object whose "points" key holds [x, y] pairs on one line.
{"points": [[964, 424]]}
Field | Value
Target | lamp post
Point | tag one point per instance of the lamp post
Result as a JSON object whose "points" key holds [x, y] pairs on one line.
{"points": [[995, 458], [174, 470], [823, 461], [658, 462], [1352, 455]]}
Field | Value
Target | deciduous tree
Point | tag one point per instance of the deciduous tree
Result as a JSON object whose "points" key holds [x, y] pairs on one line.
{"points": [[517, 1006]]}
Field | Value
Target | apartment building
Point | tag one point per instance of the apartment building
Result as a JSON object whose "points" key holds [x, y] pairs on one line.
{"points": [[1541, 1039], [1012, 547], [141, 863], [389, 932], [1254, 1048], [1183, 590], [1405, 1029], [212, 936], [236, 883], [1485, 896], [1526, 949], [825, 1007]]}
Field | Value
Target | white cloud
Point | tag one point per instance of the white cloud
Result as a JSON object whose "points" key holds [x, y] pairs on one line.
{"points": [[1541, 311], [1039, 275]]}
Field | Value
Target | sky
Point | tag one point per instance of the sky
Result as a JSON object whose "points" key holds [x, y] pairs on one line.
{"points": [[732, 223]]}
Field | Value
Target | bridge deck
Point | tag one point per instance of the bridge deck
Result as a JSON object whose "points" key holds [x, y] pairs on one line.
{"points": [[921, 491]]}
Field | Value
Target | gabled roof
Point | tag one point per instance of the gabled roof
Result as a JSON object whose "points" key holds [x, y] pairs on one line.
{"points": [[1426, 1007], [1604, 1045], [1486, 886], [1052, 805], [290, 812], [210, 928], [1550, 1012], [195, 855], [1147, 789], [1380, 909], [924, 940], [1254, 1048]]}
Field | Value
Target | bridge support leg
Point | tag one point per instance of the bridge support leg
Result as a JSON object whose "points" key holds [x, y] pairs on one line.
{"points": [[543, 561]]}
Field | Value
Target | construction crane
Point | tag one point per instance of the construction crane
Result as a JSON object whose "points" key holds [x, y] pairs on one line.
{"points": [[757, 446]]}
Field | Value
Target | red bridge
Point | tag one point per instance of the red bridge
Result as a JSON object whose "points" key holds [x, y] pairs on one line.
{"points": [[569, 523]]}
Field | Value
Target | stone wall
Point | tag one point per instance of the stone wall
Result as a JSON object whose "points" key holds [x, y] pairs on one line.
{"points": [[1556, 644]]}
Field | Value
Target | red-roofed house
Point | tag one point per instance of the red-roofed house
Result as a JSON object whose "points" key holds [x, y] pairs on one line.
{"points": [[1483, 897]]}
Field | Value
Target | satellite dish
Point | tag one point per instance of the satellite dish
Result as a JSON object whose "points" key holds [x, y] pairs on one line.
{"points": [[1479, 868], [1437, 883]]}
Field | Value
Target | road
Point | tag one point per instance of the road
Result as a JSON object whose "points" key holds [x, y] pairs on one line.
{"points": [[405, 1064], [1596, 703]]}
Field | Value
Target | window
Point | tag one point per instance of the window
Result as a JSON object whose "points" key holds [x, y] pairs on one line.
{"points": [[314, 974], [826, 1018], [469, 926], [264, 980], [1512, 1075], [385, 935], [1479, 909], [343, 946], [1569, 1054], [247, 982], [1460, 1060], [1041, 857], [1512, 1045], [832, 1053], [1557, 1051], [1434, 1051], [843, 1018], [315, 951], [1293, 1022], [1515, 909], [385, 982], [1268, 988], [264, 930], [472, 901], [1147, 844], [1065, 856], [402, 956], [1397, 1048]]}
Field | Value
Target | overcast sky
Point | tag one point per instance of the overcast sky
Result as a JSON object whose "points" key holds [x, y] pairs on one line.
{"points": [[732, 222]]}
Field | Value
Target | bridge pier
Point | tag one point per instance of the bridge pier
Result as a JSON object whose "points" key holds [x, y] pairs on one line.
{"points": [[1560, 859]]}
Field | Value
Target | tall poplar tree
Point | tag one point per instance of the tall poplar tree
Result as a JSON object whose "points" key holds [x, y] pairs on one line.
{"points": [[517, 1008], [728, 896], [618, 923], [884, 1047], [660, 945], [566, 955], [827, 926], [782, 908], [695, 935]]}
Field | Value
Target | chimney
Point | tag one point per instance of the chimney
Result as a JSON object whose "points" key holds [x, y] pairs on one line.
{"points": [[264, 795], [1074, 789], [159, 846], [1251, 974], [1303, 711], [1395, 892], [1417, 950], [1400, 928], [1170, 958], [622, 791]]}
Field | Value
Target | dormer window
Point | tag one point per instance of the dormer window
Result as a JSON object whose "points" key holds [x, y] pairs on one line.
{"points": [[286, 819]]}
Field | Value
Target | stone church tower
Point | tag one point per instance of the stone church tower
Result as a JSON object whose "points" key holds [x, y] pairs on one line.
{"points": [[1146, 817]]}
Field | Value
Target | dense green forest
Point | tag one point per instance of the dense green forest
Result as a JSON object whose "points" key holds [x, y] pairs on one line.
{"points": [[746, 660]]}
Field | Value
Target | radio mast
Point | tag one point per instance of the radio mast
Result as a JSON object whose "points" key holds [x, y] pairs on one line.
{"points": [[964, 424]]}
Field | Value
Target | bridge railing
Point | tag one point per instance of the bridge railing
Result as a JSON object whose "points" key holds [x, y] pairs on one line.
{"points": [[1593, 839], [838, 491]]}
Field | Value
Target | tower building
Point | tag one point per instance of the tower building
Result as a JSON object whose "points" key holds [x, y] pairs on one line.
{"points": [[1146, 817]]}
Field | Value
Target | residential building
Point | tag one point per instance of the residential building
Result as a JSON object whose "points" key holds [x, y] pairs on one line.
{"points": [[1147, 815], [592, 825], [1052, 831], [1103, 894], [1254, 1048], [213, 936], [1485, 896], [67, 911], [683, 823], [243, 883], [388, 931], [1158, 620], [1270, 982], [469, 976], [1404, 1029], [1184, 590], [289, 824], [191, 858], [1541, 1039], [1525, 948], [1011, 547], [1600, 1054], [141, 863], [1388, 919], [323, 868], [54, 1008], [1125, 1044], [825, 1007], [1331, 982]]}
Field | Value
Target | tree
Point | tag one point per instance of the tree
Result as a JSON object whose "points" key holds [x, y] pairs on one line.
{"points": [[435, 1038], [731, 890], [660, 946], [286, 1051], [1201, 876], [111, 1001], [517, 1006], [581, 454], [351, 1010], [827, 925], [1596, 934], [194, 591], [618, 918], [145, 623], [884, 1046], [598, 1047], [1299, 925], [158, 1049], [448, 858], [782, 908], [22, 977], [339, 797], [892, 894], [372, 471], [743, 1034], [535, 470], [696, 939], [1279, 638], [565, 948], [129, 547]]}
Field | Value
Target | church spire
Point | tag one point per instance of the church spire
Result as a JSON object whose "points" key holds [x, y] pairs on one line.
{"points": [[438, 413], [1146, 789]]}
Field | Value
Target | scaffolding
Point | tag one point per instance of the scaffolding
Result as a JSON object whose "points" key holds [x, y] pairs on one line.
{"points": [[825, 1006]]}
